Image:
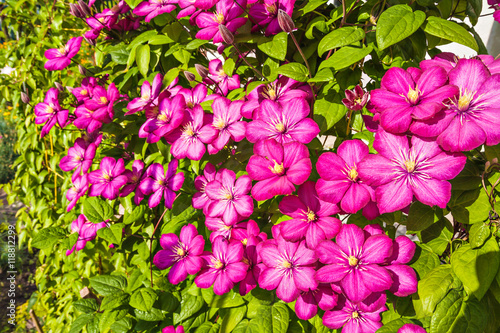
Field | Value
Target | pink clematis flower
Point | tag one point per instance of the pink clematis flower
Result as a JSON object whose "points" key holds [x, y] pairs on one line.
{"points": [[108, 179], [200, 198], [220, 228], [307, 304], [403, 276], [278, 168], [252, 259], [355, 261], [289, 268], [80, 156], [161, 185], [224, 268], [411, 328], [50, 112], [404, 97], [61, 58], [188, 141], [339, 181], [229, 198], [84, 92], [87, 231], [149, 95], [226, 13], [227, 123], [134, 178], [470, 119], [172, 329], [182, 253], [310, 217], [98, 110], [80, 187], [285, 123], [196, 96], [400, 171], [153, 8], [282, 91], [221, 79], [266, 13], [354, 317]]}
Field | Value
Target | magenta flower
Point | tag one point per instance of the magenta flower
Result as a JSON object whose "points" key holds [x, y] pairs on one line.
{"points": [[307, 304], [283, 90], [220, 228], [252, 259], [200, 198], [310, 217], [161, 185], [400, 171], [196, 96], [188, 141], [153, 8], [229, 198], [266, 13], [182, 253], [339, 181], [403, 96], [61, 58], [411, 328], [149, 95], [226, 13], [134, 179], [354, 317], [102, 101], [224, 268], [171, 329], [278, 168], [403, 276], [355, 261], [221, 79], [356, 99], [289, 268], [108, 179], [470, 119], [84, 92], [80, 187], [80, 156], [227, 123], [50, 112], [87, 231], [285, 123]]}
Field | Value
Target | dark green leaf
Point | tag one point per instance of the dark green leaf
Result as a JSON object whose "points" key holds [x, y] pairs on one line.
{"points": [[48, 237], [345, 57], [88, 305], [276, 47], [449, 30], [115, 300], [143, 299], [397, 23], [340, 37], [231, 317], [420, 217], [295, 71], [108, 284], [97, 210]]}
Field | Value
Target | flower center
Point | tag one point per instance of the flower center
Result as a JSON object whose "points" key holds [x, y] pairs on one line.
{"points": [[161, 182], [277, 168], [246, 261], [353, 261], [62, 50], [464, 100], [83, 92], [218, 264], [355, 315], [286, 264], [188, 130], [107, 176], [145, 97], [163, 117], [280, 127], [135, 179], [155, 111], [310, 216], [104, 100], [244, 241], [413, 96], [272, 8], [190, 104], [180, 252], [50, 109], [219, 17], [220, 124], [410, 165], [353, 174]]}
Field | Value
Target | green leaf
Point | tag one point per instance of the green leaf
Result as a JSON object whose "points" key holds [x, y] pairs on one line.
{"points": [[195, 44], [328, 110], [136, 214], [476, 268], [189, 305], [451, 31], [425, 260], [152, 315], [397, 23], [208, 327], [243, 327], [142, 38], [263, 322], [420, 217], [324, 75], [122, 326], [227, 300], [312, 5], [345, 57], [143, 299], [434, 287], [492, 152], [231, 317], [113, 234], [479, 233], [394, 325], [281, 318], [48, 237], [479, 211], [438, 235], [228, 66], [276, 47], [87, 305], [295, 71], [142, 57], [340, 37], [108, 284], [97, 210], [80, 322], [160, 40], [115, 300]]}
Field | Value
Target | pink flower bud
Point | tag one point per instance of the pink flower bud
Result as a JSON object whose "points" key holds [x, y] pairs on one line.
{"points": [[227, 35], [202, 70], [85, 8], [59, 86], [285, 21], [25, 98], [189, 76], [82, 70], [75, 10]]}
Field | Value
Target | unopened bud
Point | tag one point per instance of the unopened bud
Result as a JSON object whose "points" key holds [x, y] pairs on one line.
{"points": [[91, 42], [25, 98], [227, 36], [59, 86], [189, 76], [202, 70], [285, 21], [494, 161], [75, 10], [85, 8], [82, 70], [70, 89]]}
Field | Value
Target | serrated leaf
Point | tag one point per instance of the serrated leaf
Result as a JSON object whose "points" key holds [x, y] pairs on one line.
{"points": [[345, 57], [48, 237], [108, 284], [276, 47], [142, 57], [97, 210], [295, 71], [396, 23], [340, 37], [476, 268], [451, 31], [143, 299], [88, 305], [80, 322]]}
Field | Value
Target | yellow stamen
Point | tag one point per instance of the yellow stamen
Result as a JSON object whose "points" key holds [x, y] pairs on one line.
{"points": [[84, 92], [280, 127], [277, 168], [190, 104], [413, 95], [50, 109], [244, 241], [163, 117], [181, 252], [286, 264], [310, 216], [145, 97], [219, 18], [464, 100], [107, 176], [217, 264], [271, 8], [220, 124], [189, 131], [355, 315], [62, 50], [410, 165], [104, 100], [353, 174], [271, 93], [353, 261]]}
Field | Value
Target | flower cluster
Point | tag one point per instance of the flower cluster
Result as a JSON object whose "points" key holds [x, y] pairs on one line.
{"points": [[87, 231]]}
